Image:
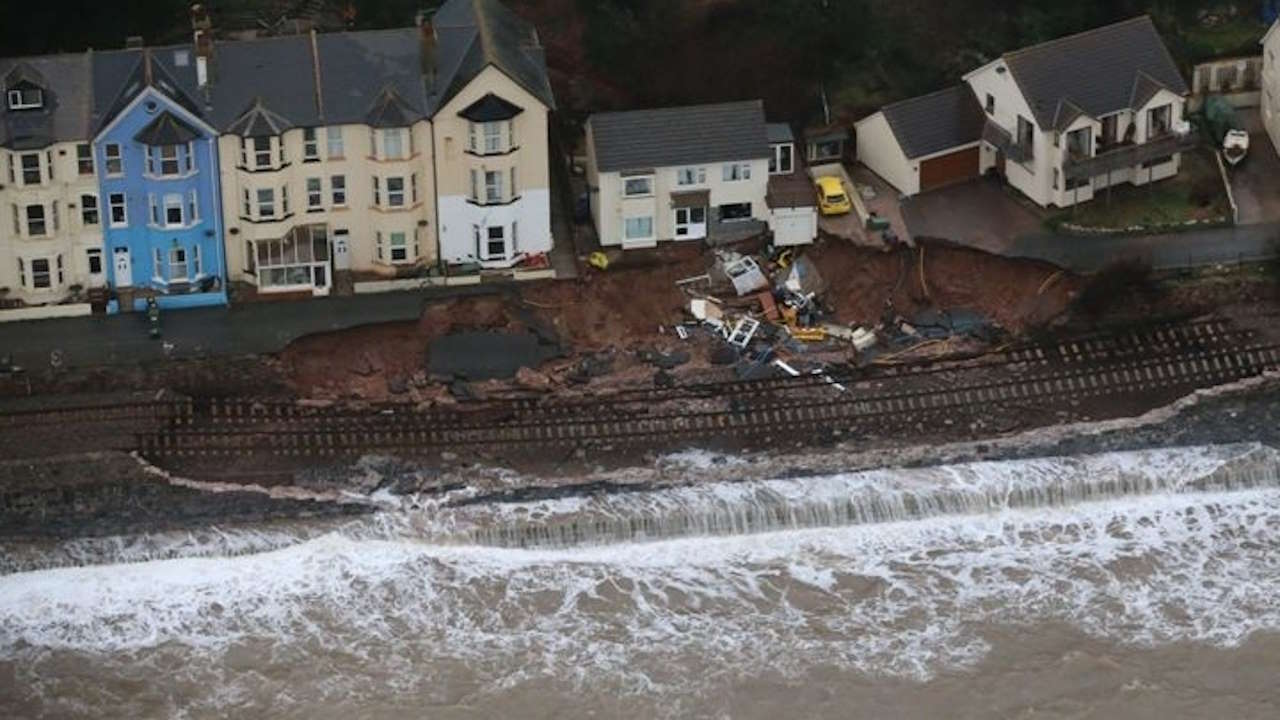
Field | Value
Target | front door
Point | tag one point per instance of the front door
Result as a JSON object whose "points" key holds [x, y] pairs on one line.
{"points": [[124, 269], [341, 250], [691, 223]]}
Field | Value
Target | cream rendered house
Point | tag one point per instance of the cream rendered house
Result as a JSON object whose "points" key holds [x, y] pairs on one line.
{"points": [[490, 99], [50, 213], [381, 154], [326, 168], [1061, 120], [684, 173]]}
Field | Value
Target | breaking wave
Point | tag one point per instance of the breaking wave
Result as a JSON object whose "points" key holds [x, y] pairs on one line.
{"points": [[887, 572]]}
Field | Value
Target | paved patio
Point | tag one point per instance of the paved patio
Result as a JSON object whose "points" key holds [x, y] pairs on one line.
{"points": [[980, 213], [1255, 182]]}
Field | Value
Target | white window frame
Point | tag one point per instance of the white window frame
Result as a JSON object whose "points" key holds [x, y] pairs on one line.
{"points": [[265, 202], [166, 159], [260, 153], [493, 187], [44, 220], [175, 253], [315, 193], [189, 158], [48, 274], [122, 205], [489, 239], [89, 204], [24, 170], [736, 172], [637, 186], [399, 251], [310, 145], [113, 154], [193, 207], [84, 154], [692, 175], [338, 190], [20, 98], [627, 227], [393, 144], [395, 196], [775, 162], [334, 143]]}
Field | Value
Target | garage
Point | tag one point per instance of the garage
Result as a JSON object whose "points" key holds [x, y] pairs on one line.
{"points": [[950, 168], [924, 142], [793, 210]]}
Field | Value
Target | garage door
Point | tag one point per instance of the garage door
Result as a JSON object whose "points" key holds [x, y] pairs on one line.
{"points": [[793, 228], [946, 169]]}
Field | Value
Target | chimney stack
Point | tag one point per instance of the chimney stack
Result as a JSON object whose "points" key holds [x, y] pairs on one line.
{"points": [[202, 38]]}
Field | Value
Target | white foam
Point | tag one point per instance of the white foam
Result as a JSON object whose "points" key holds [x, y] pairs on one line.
{"points": [[904, 598]]}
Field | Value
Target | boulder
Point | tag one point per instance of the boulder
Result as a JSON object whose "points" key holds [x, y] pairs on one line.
{"points": [[531, 379]]}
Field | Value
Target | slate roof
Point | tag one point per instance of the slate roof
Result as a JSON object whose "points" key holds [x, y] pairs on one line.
{"points": [[470, 35], [642, 139], [779, 133], [1097, 70], [490, 108], [166, 129], [376, 77], [935, 122], [258, 121], [64, 116]]}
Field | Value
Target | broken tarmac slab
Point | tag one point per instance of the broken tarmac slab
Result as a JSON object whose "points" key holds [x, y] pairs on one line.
{"points": [[478, 355], [665, 360]]}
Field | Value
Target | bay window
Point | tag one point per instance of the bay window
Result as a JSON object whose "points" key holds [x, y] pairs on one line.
{"points": [[30, 168], [173, 210], [41, 277], [299, 259], [266, 203], [334, 137], [492, 186], [310, 145], [84, 159], [490, 138], [393, 144], [177, 264]]}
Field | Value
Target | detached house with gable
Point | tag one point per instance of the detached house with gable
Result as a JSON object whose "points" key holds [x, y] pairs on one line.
{"points": [[1059, 121]]}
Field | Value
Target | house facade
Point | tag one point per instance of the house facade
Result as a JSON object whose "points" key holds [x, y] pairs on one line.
{"points": [[326, 167], [298, 164], [158, 180], [1270, 84], [686, 173], [1060, 121], [51, 216]]}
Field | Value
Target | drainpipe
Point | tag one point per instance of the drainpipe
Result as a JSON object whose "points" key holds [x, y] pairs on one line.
{"points": [[219, 244], [435, 191]]}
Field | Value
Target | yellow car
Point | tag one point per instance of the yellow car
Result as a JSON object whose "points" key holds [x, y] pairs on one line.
{"points": [[832, 199]]}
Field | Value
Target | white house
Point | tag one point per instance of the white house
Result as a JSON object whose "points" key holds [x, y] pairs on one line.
{"points": [[924, 142], [684, 173], [1062, 120], [1270, 101]]}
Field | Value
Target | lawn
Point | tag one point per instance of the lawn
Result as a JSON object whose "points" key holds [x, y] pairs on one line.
{"points": [[1196, 193]]}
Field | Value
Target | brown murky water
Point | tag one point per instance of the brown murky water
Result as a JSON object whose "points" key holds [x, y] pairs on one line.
{"points": [[1132, 585]]}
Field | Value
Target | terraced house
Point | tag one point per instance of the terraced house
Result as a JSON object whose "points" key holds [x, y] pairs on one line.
{"points": [[158, 177], [295, 164], [51, 216]]}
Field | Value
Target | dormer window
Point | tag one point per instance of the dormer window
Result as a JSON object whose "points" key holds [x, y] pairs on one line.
{"points": [[25, 98]]}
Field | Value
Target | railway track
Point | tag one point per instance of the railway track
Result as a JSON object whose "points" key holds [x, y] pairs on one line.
{"points": [[1147, 342], [849, 413]]}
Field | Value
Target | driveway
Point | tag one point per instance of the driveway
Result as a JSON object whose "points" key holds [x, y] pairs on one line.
{"points": [[1255, 182], [979, 213]]}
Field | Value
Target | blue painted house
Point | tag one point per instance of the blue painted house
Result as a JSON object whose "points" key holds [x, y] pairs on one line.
{"points": [[158, 181]]}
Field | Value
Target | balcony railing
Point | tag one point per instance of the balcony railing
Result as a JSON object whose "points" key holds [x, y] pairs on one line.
{"points": [[1003, 140], [1126, 156]]}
